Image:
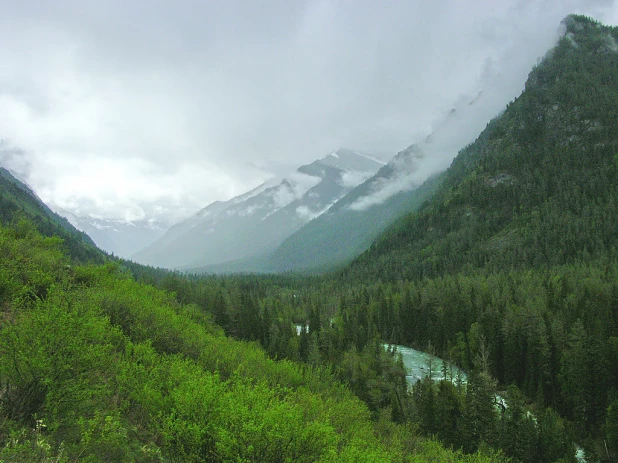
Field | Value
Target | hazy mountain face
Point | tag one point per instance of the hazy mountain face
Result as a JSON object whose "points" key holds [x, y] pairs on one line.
{"points": [[351, 224], [262, 218], [354, 221], [119, 237]]}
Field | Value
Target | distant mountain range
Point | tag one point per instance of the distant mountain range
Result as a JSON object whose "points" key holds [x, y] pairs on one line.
{"points": [[258, 221], [119, 237], [348, 226]]}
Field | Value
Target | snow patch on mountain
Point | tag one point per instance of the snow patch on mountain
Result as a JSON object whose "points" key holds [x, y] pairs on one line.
{"points": [[371, 158], [256, 191]]}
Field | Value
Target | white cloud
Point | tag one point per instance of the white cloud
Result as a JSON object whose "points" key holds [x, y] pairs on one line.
{"points": [[350, 179], [293, 188], [131, 109], [307, 214]]}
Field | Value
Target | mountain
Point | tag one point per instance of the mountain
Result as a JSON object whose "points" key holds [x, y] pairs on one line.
{"points": [[116, 236], [350, 226], [17, 200], [353, 222], [259, 220], [539, 186], [356, 220]]}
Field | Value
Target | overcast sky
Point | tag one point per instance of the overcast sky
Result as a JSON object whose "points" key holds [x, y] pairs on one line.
{"points": [[132, 109]]}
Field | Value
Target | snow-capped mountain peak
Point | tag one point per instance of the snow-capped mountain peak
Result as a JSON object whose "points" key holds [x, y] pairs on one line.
{"points": [[351, 160], [263, 217]]}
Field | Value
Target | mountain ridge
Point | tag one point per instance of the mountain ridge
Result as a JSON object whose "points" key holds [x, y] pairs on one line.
{"points": [[260, 219], [18, 200], [509, 191]]}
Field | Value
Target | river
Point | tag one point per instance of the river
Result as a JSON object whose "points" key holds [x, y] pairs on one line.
{"points": [[419, 364]]}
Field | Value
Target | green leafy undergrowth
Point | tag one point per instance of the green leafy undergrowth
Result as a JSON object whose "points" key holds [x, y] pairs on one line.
{"points": [[97, 367]]}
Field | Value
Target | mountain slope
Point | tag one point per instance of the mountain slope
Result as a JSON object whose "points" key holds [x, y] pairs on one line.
{"points": [[261, 219], [539, 185], [17, 201], [346, 229]]}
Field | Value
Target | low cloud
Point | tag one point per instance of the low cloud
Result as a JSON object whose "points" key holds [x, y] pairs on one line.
{"points": [[306, 214], [15, 159], [406, 176], [293, 188], [501, 80], [140, 109], [350, 179]]}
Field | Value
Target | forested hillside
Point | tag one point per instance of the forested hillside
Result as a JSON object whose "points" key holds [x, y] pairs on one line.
{"points": [[17, 199], [95, 366], [511, 267], [537, 188]]}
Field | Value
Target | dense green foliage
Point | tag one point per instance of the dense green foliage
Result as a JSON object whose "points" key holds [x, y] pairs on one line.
{"points": [[516, 251], [98, 367], [550, 335]]}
